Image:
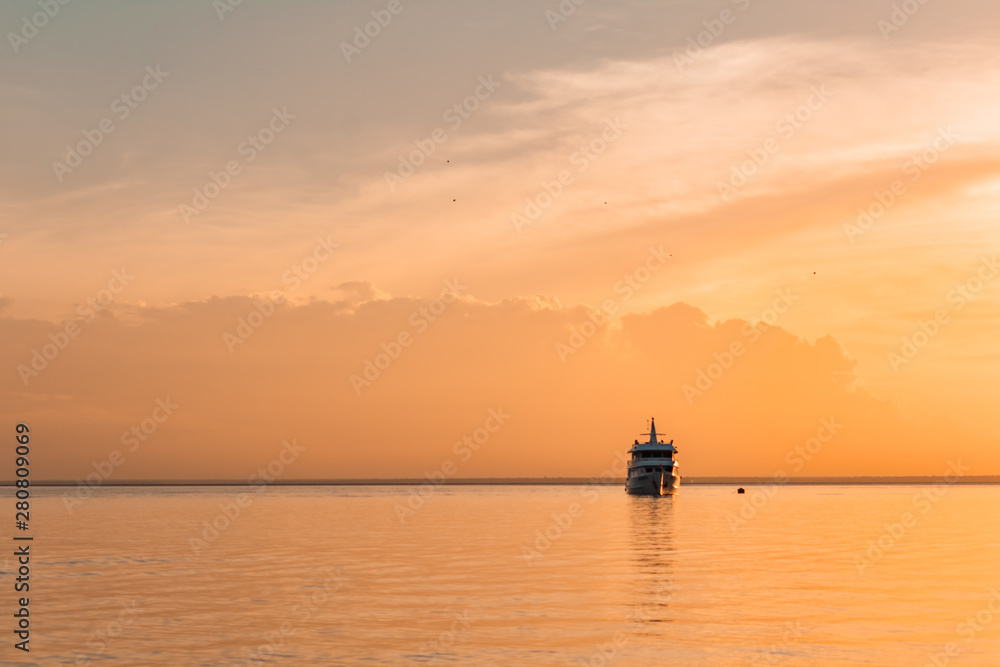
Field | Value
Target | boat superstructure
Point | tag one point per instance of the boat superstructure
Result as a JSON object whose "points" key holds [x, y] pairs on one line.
{"points": [[652, 470]]}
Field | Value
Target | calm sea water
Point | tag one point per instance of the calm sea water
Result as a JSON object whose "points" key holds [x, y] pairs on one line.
{"points": [[515, 575]]}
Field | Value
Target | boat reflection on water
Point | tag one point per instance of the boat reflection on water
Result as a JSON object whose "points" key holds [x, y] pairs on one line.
{"points": [[651, 587]]}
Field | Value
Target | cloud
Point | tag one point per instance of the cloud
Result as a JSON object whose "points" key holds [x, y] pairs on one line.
{"points": [[292, 378], [358, 291]]}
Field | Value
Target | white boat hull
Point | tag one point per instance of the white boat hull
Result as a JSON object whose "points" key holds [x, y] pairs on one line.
{"points": [[664, 482]]}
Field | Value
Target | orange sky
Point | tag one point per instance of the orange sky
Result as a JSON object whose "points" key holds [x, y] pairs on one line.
{"points": [[531, 170]]}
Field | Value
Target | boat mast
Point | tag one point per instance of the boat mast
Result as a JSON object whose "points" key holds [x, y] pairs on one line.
{"points": [[652, 433]]}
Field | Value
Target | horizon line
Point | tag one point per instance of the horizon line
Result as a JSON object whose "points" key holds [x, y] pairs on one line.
{"points": [[521, 481]]}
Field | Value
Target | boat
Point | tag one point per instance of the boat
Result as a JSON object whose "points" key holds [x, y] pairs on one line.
{"points": [[652, 470]]}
